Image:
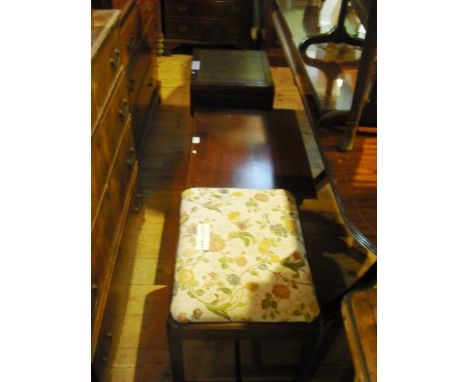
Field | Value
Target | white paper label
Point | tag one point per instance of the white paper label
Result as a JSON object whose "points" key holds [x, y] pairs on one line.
{"points": [[202, 237], [195, 140], [195, 65]]}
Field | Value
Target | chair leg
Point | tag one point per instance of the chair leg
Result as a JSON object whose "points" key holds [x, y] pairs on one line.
{"points": [[176, 353]]}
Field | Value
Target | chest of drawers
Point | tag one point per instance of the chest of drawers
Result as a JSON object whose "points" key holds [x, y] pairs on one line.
{"points": [[207, 22], [113, 162]]}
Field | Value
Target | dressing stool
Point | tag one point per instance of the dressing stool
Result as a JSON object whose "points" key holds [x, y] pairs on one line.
{"points": [[224, 78], [241, 272]]}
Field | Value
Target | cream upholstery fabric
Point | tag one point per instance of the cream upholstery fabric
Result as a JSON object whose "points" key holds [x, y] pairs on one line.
{"points": [[252, 268]]}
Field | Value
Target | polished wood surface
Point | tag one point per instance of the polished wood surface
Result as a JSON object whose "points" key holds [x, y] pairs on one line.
{"points": [[359, 310], [352, 175], [146, 260], [249, 149]]}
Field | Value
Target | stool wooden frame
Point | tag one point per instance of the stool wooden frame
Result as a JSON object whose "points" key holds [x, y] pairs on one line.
{"points": [[178, 332]]}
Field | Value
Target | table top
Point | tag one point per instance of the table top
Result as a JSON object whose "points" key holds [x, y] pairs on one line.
{"points": [[359, 311], [249, 149]]}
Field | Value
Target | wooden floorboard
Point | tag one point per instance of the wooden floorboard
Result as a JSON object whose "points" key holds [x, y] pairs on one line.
{"points": [[148, 257]]}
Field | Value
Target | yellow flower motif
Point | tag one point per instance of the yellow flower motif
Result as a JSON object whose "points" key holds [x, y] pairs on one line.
{"points": [[182, 317], [187, 194], [290, 225], [189, 252], [238, 194], [234, 215], [251, 286], [217, 244], [275, 259], [261, 197], [264, 245], [241, 261], [186, 278]]}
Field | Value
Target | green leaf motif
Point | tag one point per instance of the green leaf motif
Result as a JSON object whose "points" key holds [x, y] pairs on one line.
{"points": [[214, 207], [246, 237], [219, 313], [225, 290], [233, 279], [199, 292]]}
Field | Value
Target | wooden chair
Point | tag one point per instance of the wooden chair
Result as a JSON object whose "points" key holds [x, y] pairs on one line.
{"points": [[241, 273]]}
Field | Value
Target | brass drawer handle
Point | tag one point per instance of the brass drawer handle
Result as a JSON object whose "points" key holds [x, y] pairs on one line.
{"points": [[182, 8], [131, 85], [132, 157], [114, 61], [123, 111], [131, 42], [108, 337], [183, 28], [138, 203]]}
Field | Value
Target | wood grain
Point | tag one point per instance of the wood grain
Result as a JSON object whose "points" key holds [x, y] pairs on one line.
{"points": [[250, 149]]}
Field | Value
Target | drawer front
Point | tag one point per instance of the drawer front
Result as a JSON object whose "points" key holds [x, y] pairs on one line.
{"points": [[208, 9], [130, 34], [207, 31], [104, 68], [107, 220], [105, 139], [142, 103], [115, 303], [137, 69]]}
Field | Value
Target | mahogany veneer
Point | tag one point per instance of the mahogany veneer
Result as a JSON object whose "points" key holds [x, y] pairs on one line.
{"points": [[249, 149]]}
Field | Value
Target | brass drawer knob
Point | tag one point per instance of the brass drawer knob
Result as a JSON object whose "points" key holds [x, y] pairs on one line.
{"points": [[123, 111], [132, 157], [182, 8], [183, 28], [115, 61], [131, 42], [131, 85], [138, 203]]}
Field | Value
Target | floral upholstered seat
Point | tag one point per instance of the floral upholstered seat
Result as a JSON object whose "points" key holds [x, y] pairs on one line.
{"points": [[241, 258]]}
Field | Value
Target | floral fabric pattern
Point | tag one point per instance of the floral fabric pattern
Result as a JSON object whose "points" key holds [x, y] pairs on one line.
{"points": [[254, 268]]}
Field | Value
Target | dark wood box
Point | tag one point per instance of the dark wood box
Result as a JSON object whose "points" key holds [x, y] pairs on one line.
{"points": [[227, 79]]}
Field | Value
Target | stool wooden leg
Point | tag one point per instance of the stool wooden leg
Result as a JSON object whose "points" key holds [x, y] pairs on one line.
{"points": [[302, 371], [176, 354]]}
